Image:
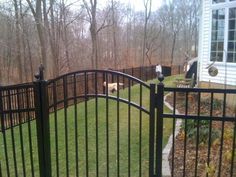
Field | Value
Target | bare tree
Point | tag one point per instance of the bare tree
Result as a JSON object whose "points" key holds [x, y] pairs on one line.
{"points": [[18, 42], [92, 11], [52, 33], [94, 30], [114, 33], [147, 12], [37, 13]]}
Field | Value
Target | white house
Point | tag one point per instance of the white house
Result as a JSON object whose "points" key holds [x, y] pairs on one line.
{"points": [[217, 44]]}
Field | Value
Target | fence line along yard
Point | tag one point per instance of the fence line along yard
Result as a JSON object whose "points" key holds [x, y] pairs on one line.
{"points": [[17, 101], [119, 134]]}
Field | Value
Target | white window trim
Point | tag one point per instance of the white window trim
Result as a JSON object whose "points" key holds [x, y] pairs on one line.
{"points": [[223, 5]]}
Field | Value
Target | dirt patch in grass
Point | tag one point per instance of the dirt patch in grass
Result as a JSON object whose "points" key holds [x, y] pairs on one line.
{"points": [[201, 148]]}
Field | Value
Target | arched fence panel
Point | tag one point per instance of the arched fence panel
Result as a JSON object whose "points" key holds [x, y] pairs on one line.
{"points": [[99, 124]]}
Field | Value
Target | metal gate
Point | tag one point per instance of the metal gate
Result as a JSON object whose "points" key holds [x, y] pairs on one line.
{"points": [[92, 131]]}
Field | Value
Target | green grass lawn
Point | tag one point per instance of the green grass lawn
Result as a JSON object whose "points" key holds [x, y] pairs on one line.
{"points": [[132, 151]]}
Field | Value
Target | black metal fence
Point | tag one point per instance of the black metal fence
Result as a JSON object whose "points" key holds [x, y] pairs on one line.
{"points": [[18, 104], [204, 144], [83, 129], [45, 147]]}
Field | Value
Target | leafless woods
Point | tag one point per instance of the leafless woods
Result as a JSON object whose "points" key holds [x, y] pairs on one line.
{"points": [[67, 35]]}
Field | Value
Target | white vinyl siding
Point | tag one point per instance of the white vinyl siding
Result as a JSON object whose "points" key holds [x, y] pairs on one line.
{"points": [[226, 70]]}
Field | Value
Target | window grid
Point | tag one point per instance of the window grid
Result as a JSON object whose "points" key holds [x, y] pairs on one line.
{"points": [[217, 39], [221, 1], [231, 54], [223, 31], [217, 1]]}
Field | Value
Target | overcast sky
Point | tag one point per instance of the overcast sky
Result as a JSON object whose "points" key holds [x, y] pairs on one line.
{"points": [[136, 4]]}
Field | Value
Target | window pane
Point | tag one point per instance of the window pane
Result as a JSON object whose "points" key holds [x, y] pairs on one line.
{"points": [[214, 24], [221, 14], [221, 24], [217, 35], [230, 57], [213, 56], [213, 46], [219, 56], [231, 46], [217, 1], [232, 13], [220, 46], [220, 36], [231, 24], [231, 36], [214, 35]]}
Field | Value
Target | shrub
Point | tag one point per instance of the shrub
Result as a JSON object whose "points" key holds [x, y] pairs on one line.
{"points": [[203, 127]]}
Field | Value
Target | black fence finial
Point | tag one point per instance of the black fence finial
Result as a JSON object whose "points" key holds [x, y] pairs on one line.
{"points": [[161, 77], [40, 75]]}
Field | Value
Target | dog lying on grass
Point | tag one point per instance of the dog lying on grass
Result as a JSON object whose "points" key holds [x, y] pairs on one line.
{"points": [[112, 87]]}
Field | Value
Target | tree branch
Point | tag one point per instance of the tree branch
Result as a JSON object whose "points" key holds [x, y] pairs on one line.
{"points": [[31, 7]]}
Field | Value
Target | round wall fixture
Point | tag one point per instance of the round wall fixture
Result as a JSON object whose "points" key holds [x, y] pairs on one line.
{"points": [[213, 71]]}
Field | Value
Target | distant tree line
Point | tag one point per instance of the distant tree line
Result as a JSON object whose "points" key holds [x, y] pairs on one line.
{"points": [[67, 35]]}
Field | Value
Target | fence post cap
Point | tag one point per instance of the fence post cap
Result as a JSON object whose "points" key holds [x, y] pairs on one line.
{"points": [[161, 77], [40, 75]]}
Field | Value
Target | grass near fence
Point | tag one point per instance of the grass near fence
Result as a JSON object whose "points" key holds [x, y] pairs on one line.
{"points": [[21, 144]]}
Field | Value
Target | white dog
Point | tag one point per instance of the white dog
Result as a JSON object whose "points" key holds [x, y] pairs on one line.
{"points": [[112, 87]]}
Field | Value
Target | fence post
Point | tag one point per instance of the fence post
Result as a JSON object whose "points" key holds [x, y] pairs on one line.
{"points": [[152, 129], [159, 125], [1, 112], [146, 73], [42, 124], [140, 72]]}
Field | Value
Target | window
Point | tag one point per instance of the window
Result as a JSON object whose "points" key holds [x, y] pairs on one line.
{"points": [[231, 54], [217, 1], [223, 31], [217, 35]]}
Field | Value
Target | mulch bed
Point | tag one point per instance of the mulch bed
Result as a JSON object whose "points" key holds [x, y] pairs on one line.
{"points": [[219, 161]]}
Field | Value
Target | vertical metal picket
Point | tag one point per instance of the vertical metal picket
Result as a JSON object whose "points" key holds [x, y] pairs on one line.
{"points": [[159, 126], [42, 123]]}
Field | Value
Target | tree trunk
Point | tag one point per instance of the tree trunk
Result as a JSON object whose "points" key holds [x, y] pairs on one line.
{"points": [[41, 32], [93, 32], [173, 48], [18, 45], [53, 42], [65, 40], [114, 35]]}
